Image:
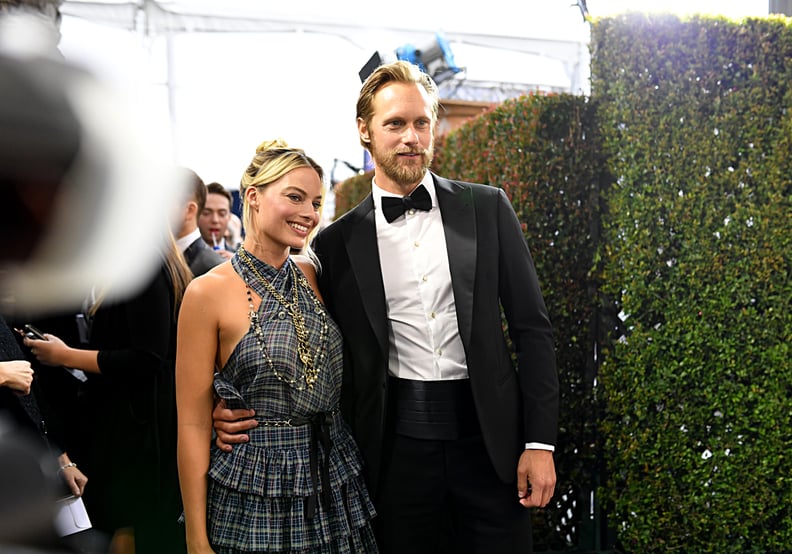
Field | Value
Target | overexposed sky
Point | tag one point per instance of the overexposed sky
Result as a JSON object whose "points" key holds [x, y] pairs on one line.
{"points": [[216, 96], [735, 9]]}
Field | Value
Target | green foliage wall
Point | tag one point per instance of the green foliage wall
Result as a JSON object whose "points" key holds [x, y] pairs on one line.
{"points": [[696, 248], [350, 192]]}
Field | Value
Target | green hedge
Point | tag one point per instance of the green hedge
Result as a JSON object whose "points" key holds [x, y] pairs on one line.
{"points": [[658, 214], [350, 192], [696, 120]]}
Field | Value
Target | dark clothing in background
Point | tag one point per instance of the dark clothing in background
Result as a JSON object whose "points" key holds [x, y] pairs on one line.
{"points": [[129, 415], [21, 411], [29, 476], [57, 390], [201, 258]]}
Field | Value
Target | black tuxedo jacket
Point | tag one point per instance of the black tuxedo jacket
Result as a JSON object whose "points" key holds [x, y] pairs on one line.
{"points": [[201, 258], [490, 266]]}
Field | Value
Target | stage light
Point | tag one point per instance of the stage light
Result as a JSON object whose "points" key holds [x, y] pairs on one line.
{"points": [[435, 58]]}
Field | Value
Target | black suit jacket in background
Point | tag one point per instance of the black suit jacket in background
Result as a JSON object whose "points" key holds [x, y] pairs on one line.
{"points": [[201, 258], [490, 266]]}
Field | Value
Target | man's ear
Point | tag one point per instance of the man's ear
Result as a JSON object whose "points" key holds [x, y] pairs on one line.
{"points": [[191, 210], [363, 130]]}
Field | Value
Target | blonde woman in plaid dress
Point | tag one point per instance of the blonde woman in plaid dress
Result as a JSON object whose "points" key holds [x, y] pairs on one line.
{"points": [[254, 333]]}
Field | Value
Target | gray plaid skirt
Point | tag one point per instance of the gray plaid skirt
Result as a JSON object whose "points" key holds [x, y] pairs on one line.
{"points": [[258, 494]]}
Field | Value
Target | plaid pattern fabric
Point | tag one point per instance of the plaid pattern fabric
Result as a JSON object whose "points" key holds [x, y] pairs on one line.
{"points": [[257, 493]]}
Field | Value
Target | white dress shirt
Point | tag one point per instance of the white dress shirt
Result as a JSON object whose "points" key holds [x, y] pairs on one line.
{"points": [[422, 325]]}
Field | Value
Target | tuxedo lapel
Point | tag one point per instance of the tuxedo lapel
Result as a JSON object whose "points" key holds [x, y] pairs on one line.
{"points": [[360, 237], [459, 222]]}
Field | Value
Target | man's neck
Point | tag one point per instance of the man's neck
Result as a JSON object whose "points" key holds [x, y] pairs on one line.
{"points": [[187, 239], [391, 186], [186, 229]]}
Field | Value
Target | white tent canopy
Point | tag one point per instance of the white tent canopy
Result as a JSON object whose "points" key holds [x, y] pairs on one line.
{"points": [[221, 76], [555, 31], [555, 34]]}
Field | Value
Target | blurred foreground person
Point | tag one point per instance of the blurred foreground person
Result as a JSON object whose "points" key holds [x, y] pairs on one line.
{"points": [[72, 160], [254, 331]]}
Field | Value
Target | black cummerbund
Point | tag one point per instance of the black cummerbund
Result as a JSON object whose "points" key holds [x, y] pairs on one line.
{"points": [[437, 410]]}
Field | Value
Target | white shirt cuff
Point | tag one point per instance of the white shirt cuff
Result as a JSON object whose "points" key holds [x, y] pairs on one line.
{"points": [[539, 446]]}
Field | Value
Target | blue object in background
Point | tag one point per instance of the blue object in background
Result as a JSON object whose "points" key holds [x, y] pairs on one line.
{"points": [[435, 59]]}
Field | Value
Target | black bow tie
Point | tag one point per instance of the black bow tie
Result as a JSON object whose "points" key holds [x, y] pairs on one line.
{"points": [[393, 207]]}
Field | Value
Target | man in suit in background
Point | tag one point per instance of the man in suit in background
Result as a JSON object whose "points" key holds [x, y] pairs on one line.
{"points": [[214, 218], [200, 256], [457, 443]]}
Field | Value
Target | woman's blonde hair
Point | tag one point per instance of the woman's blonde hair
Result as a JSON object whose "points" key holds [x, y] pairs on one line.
{"points": [[175, 266], [273, 160]]}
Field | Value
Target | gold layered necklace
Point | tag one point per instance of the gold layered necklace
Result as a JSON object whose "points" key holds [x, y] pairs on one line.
{"points": [[311, 361]]}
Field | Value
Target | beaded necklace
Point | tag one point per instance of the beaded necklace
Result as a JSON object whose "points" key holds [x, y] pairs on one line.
{"points": [[311, 360]]}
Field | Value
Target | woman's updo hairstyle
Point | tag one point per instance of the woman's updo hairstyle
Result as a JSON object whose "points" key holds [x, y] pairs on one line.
{"points": [[273, 160]]}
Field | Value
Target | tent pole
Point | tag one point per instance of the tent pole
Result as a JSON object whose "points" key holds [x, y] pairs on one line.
{"points": [[169, 83]]}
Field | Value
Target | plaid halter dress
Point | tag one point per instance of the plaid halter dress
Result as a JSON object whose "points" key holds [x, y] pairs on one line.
{"points": [[297, 485]]}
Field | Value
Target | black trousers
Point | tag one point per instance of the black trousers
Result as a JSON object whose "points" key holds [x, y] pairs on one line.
{"points": [[443, 496]]}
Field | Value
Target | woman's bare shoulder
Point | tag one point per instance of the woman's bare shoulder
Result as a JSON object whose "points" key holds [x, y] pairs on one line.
{"points": [[217, 282], [306, 265]]}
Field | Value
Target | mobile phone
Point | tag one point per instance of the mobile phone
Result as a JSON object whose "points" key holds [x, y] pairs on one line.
{"points": [[32, 332]]}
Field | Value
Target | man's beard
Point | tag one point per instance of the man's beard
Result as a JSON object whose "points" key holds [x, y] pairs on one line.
{"points": [[392, 165]]}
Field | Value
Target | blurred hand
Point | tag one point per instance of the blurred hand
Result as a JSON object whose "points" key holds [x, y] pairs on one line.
{"points": [[17, 375]]}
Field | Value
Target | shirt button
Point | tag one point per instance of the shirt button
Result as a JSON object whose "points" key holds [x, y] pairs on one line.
{"points": [[411, 211], [424, 278], [432, 315], [416, 244]]}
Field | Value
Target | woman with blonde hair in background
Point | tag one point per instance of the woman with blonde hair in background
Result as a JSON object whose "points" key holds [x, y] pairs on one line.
{"points": [[254, 333]]}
